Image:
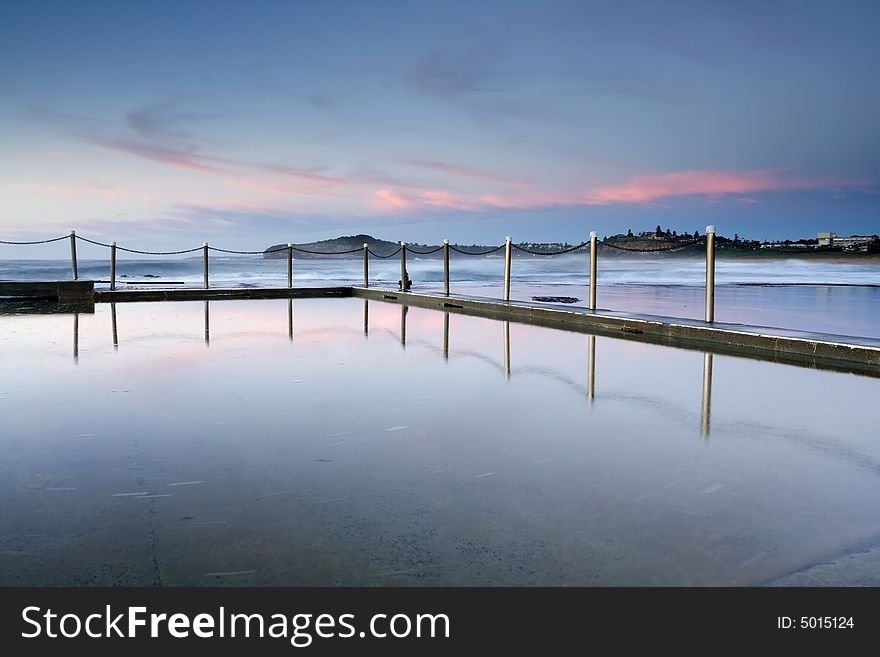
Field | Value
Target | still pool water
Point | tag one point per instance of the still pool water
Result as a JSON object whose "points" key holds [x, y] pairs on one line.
{"points": [[342, 442]]}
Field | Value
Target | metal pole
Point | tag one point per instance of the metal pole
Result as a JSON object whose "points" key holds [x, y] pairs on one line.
{"points": [[507, 254], [593, 267], [289, 265], [710, 273], [402, 267], [73, 254], [113, 266], [446, 267], [205, 251], [366, 317], [366, 265]]}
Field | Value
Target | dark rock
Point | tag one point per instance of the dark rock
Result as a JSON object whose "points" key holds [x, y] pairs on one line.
{"points": [[557, 299]]}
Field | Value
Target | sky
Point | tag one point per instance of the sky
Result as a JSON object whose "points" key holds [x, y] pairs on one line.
{"points": [[163, 125]]}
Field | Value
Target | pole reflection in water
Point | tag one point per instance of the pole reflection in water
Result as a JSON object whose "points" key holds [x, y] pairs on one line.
{"points": [[366, 317], [707, 395], [207, 324], [290, 319], [507, 350], [403, 311], [113, 322], [446, 335], [591, 369], [75, 337], [506, 365]]}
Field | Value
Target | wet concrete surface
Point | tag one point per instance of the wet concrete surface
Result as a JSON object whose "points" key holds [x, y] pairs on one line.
{"points": [[858, 568]]}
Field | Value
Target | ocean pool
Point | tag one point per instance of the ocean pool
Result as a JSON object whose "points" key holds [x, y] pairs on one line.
{"points": [[326, 442]]}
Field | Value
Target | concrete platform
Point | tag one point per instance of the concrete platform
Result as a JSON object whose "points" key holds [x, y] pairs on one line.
{"points": [[846, 353], [50, 290]]}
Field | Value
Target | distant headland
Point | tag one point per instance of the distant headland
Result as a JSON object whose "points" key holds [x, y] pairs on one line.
{"points": [[645, 243]]}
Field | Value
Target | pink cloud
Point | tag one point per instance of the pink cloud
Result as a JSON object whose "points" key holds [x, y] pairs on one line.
{"points": [[171, 155], [651, 188], [642, 190], [391, 200], [441, 198], [528, 200], [388, 200]]}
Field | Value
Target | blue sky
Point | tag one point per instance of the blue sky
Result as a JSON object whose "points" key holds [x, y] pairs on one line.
{"points": [[166, 124]]}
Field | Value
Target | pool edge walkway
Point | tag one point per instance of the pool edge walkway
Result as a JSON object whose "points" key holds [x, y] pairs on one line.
{"points": [[765, 342]]}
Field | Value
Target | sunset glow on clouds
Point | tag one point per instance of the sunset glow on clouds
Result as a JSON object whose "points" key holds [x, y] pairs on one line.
{"points": [[289, 121], [388, 200], [639, 190], [652, 188]]}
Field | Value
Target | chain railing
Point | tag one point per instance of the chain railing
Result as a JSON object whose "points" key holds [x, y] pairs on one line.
{"points": [[550, 253], [49, 241], [452, 247], [404, 283]]}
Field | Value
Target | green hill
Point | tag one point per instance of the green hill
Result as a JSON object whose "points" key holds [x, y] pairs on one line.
{"points": [[348, 246]]}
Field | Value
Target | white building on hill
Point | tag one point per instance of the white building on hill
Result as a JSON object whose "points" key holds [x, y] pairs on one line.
{"points": [[831, 239]]}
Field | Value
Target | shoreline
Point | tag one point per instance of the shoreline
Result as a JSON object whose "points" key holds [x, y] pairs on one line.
{"points": [[831, 258]]}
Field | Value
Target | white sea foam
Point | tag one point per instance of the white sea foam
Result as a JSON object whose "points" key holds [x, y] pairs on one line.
{"points": [[562, 270]]}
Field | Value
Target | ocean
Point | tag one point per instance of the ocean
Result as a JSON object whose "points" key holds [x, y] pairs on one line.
{"points": [[810, 295]]}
